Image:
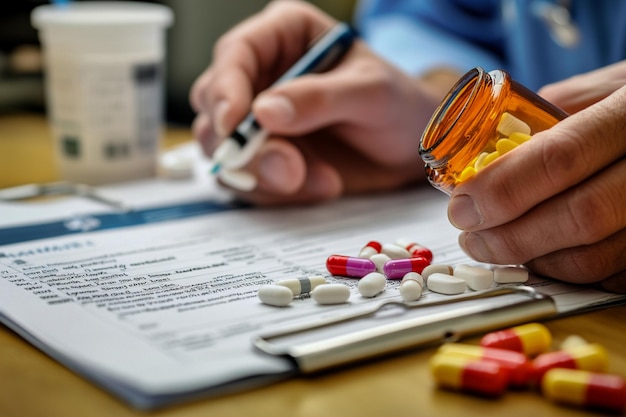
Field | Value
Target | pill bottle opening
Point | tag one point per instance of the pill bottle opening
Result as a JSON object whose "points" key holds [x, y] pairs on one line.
{"points": [[447, 116]]}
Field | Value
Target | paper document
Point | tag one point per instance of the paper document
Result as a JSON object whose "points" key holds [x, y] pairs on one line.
{"points": [[160, 305]]}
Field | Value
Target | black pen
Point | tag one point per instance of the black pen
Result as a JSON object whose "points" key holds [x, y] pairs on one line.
{"points": [[237, 150]]}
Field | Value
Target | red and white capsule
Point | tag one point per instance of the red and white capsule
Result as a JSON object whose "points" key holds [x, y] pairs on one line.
{"points": [[370, 249], [398, 268], [415, 249], [348, 266]]}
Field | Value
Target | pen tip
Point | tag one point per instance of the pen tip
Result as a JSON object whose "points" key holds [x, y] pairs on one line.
{"points": [[215, 168]]}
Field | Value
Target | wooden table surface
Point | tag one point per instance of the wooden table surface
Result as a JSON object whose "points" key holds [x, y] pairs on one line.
{"points": [[32, 384]]}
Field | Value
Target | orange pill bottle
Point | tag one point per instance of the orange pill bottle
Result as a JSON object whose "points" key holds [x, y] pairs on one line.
{"points": [[485, 115]]}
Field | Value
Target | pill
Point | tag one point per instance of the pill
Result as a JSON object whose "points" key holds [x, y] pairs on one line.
{"points": [[572, 341], [510, 275], [394, 251], [480, 161], [589, 357], [440, 268], [466, 374], [509, 124], [531, 339], [275, 295], [302, 285], [411, 287], [349, 266], [491, 157], [505, 145], [372, 284], [331, 294], [587, 389], [415, 249], [380, 259], [476, 278], [518, 366], [446, 284], [371, 248], [397, 268], [238, 179], [467, 173], [519, 137]]}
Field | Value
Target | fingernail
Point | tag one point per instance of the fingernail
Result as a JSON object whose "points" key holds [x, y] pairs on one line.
{"points": [[274, 169], [463, 212], [279, 108], [219, 118]]}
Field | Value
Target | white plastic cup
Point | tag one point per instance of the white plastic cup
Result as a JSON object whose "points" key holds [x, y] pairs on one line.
{"points": [[104, 69]]}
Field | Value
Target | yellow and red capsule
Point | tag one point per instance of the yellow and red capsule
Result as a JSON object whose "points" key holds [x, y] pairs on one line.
{"points": [[468, 374], [585, 389], [531, 339], [587, 357], [517, 365]]}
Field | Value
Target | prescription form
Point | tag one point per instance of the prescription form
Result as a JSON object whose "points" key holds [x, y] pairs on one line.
{"points": [[160, 305]]}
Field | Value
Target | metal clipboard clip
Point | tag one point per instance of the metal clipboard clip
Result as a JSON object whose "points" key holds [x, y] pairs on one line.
{"points": [[394, 326]]}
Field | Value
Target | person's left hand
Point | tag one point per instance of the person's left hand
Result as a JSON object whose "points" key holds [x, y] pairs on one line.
{"points": [[558, 203]]}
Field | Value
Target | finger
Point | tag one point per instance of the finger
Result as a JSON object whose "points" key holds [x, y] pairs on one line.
{"points": [[604, 261], [553, 161], [288, 175], [583, 215], [203, 131], [255, 53], [581, 91], [615, 283], [361, 94]]}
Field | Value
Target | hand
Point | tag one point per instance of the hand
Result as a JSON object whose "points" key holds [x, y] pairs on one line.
{"points": [[353, 129], [558, 203]]}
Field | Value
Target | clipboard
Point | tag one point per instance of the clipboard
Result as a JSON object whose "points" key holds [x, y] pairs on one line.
{"points": [[394, 326]]}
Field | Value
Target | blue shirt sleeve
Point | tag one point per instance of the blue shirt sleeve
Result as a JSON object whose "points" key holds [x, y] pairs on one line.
{"points": [[421, 35]]}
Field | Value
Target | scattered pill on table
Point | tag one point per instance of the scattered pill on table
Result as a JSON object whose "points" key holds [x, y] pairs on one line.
{"points": [[415, 249], [302, 285], [469, 374], [517, 364], [510, 275], [531, 339], [476, 278], [411, 287], [275, 295], [394, 251], [589, 357], [436, 268], [331, 294], [398, 268], [446, 284], [372, 284], [380, 259], [370, 249], [587, 389], [348, 266]]}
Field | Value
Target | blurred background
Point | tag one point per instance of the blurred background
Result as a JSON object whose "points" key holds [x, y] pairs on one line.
{"points": [[197, 25]]}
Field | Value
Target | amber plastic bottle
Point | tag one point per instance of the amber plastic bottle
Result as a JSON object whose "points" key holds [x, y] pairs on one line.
{"points": [[485, 115]]}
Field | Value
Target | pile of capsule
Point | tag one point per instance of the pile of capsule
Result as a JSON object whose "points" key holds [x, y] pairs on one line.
{"points": [[520, 357], [512, 132], [410, 262], [376, 263]]}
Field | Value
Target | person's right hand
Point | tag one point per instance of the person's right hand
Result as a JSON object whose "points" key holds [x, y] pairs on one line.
{"points": [[353, 129]]}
